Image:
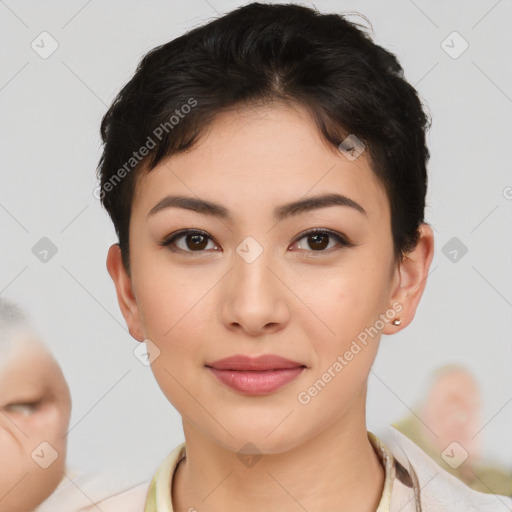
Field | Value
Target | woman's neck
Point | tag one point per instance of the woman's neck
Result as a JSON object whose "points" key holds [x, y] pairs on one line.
{"points": [[336, 470]]}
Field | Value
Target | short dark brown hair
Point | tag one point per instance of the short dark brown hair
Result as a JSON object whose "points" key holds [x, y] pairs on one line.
{"points": [[256, 54]]}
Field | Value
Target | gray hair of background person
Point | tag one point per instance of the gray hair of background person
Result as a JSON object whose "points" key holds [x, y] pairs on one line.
{"points": [[13, 320]]}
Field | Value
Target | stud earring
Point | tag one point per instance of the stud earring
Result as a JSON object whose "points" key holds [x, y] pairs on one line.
{"points": [[397, 321]]}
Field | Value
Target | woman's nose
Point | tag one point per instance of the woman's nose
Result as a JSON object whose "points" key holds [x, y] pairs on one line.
{"points": [[255, 297]]}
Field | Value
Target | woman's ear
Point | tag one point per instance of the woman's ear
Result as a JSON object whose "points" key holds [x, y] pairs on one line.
{"points": [[125, 297], [412, 273]]}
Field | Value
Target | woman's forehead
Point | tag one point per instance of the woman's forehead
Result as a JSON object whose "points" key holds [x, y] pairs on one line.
{"points": [[257, 153]]}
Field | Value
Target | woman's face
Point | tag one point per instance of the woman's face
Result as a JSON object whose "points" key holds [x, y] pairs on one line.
{"points": [[35, 407], [254, 282]]}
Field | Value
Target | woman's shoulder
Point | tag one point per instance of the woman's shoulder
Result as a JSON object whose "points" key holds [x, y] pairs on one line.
{"points": [[130, 500], [434, 488]]}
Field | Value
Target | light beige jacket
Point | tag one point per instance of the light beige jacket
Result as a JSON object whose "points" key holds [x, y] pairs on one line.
{"points": [[413, 483]]}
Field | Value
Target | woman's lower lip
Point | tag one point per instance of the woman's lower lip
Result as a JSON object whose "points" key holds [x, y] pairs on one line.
{"points": [[257, 382]]}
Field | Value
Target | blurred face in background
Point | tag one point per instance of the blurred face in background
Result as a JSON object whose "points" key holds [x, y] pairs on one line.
{"points": [[453, 412], [35, 408]]}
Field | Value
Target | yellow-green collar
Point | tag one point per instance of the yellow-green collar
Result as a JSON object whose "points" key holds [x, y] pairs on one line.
{"points": [[159, 497]]}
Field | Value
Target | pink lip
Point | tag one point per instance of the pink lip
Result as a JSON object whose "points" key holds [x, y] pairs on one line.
{"points": [[255, 376], [264, 362]]}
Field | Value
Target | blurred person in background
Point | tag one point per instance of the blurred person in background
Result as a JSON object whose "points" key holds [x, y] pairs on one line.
{"points": [[446, 426], [35, 409]]}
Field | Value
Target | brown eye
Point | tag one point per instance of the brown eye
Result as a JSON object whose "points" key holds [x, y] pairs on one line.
{"points": [[319, 240], [189, 241], [196, 242]]}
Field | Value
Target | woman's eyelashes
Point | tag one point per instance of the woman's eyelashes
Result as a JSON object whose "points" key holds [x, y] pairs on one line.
{"points": [[195, 240]]}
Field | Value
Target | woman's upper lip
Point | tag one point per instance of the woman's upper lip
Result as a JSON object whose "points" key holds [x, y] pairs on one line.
{"points": [[264, 362]]}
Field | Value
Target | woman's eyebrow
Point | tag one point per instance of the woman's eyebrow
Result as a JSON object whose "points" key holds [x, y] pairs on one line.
{"points": [[280, 213]]}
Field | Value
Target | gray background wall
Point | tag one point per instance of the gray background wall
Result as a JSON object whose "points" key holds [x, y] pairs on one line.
{"points": [[51, 109]]}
